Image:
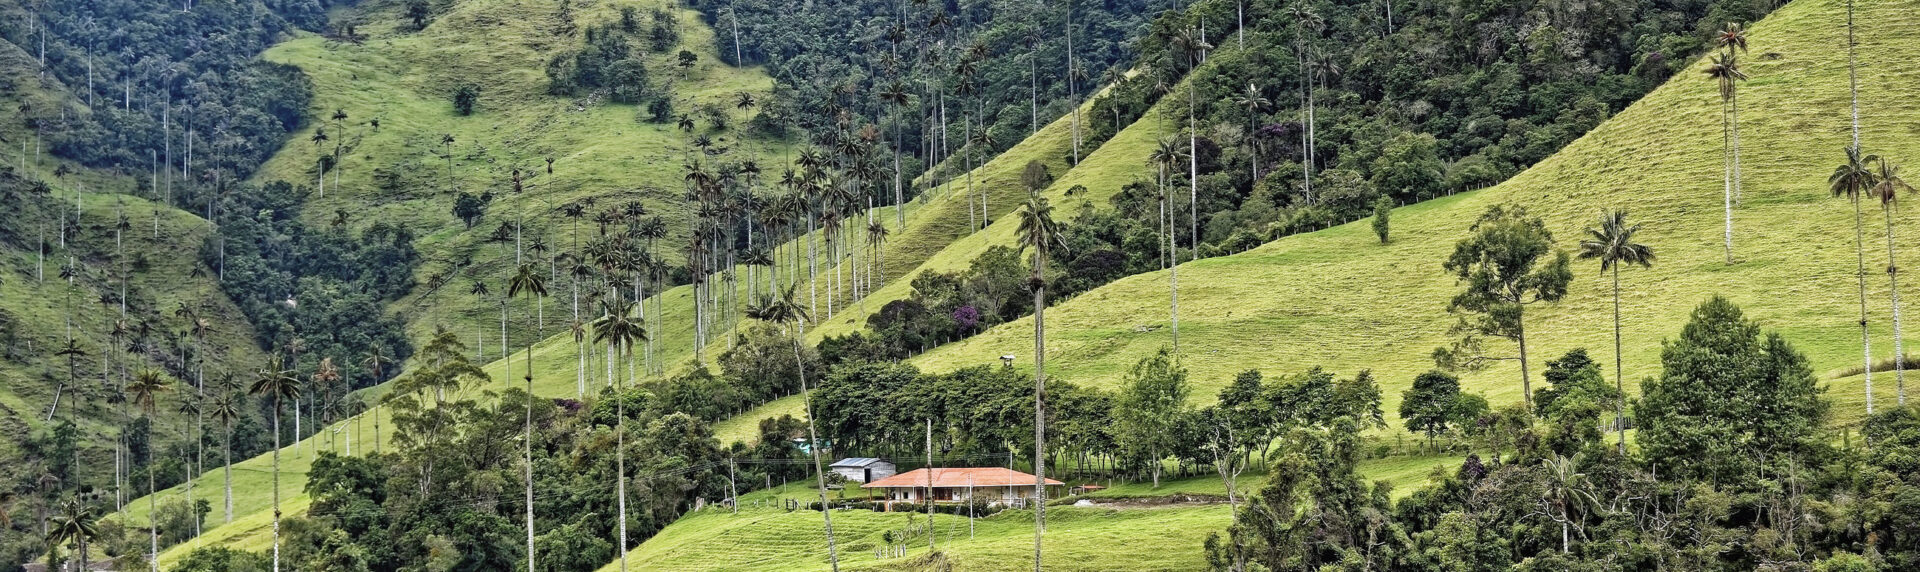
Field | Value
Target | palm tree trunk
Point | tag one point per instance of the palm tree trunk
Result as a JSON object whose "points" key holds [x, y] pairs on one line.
{"points": [[227, 469], [1526, 381], [276, 483], [1039, 400], [1893, 280], [813, 445], [1619, 378], [1726, 174], [1866, 342], [153, 522], [527, 450], [620, 463], [1193, 173]]}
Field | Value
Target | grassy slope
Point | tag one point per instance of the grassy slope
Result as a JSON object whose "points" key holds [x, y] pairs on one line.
{"points": [[1339, 299], [167, 239], [404, 79], [931, 223]]}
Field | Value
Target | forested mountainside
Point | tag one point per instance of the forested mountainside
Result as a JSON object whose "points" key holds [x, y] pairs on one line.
{"points": [[549, 284]]}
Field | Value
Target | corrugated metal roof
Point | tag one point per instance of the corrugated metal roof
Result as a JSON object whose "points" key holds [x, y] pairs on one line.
{"points": [[856, 462], [959, 478]]}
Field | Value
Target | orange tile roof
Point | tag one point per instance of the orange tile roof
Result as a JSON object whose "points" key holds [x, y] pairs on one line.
{"points": [[959, 478]]}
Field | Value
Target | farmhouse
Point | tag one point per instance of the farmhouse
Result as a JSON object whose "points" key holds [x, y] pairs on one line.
{"points": [[863, 469], [993, 484]]}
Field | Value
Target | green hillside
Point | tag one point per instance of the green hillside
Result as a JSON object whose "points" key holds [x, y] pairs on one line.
{"points": [[1341, 300], [159, 253], [933, 221]]}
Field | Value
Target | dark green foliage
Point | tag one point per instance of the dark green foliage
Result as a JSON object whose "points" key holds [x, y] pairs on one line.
{"points": [[469, 207], [326, 287], [1382, 217], [419, 13], [1506, 263], [223, 559], [1428, 407], [1726, 391], [240, 108], [465, 98]]}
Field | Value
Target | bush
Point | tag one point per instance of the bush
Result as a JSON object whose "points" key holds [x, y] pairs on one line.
{"points": [[465, 97]]}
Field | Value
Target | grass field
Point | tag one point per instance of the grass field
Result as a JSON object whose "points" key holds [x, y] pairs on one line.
{"points": [[1339, 299]]}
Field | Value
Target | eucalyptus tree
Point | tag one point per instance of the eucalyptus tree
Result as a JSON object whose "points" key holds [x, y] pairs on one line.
{"points": [[783, 310], [277, 383], [1887, 186], [1852, 180], [619, 328], [1506, 263], [1612, 243], [1039, 232], [144, 392]]}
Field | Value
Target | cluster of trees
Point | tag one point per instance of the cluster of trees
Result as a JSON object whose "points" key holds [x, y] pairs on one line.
{"points": [[442, 495], [942, 78], [1313, 111], [608, 61], [177, 92], [1735, 470], [882, 408]]}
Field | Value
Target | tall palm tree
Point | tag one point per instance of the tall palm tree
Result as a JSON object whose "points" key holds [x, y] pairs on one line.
{"points": [[79, 523], [1039, 232], [534, 284], [1166, 156], [279, 383], [619, 328], [226, 409], [144, 392], [1887, 186], [1853, 179], [1733, 39], [1193, 48], [1725, 69], [71, 351], [1612, 243], [1254, 103], [784, 310]]}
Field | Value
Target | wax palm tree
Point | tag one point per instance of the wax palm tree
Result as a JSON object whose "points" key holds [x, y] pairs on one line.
{"points": [[1733, 39], [1725, 69], [72, 351], [1612, 243], [1887, 186], [144, 392], [226, 409], [1039, 232], [620, 329], [1853, 179], [279, 384], [1252, 100], [77, 523], [784, 310], [896, 93], [533, 284], [1165, 156]]}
